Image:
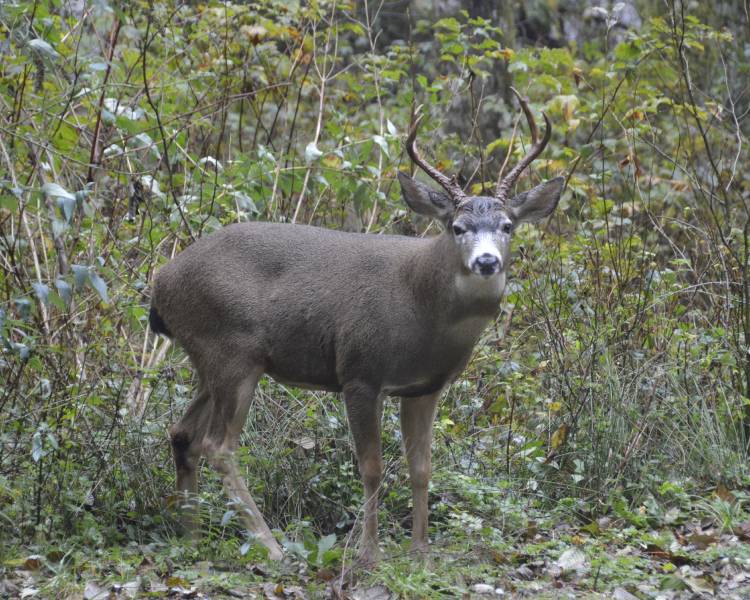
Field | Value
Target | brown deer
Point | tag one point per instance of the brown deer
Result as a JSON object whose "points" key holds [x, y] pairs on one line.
{"points": [[365, 315]]}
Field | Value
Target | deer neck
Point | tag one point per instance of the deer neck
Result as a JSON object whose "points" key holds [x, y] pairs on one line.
{"points": [[442, 282]]}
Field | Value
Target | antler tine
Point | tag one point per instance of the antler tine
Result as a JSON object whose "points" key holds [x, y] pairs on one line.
{"points": [[449, 183], [537, 147]]}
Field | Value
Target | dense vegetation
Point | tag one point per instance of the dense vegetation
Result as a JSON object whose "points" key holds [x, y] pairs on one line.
{"points": [[608, 407]]}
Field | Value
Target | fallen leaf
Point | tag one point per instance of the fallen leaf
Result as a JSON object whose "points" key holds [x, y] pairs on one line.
{"points": [[55, 555], [483, 588], [129, 589], [378, 592], [701, 541], [33, 562], [658, 553], [622, 594], [524, 572], [305, 442], [700, 585], [723, 492], [177, 582], [8, 589], [270, 591], [672, 582], [145, 564], [182, 592], [325, 574], [93, 591], [572, 560], [592, 528], [672, 515]]}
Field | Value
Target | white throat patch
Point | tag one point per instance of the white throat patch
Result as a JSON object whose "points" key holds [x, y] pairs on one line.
{"points": [[476, 286]]}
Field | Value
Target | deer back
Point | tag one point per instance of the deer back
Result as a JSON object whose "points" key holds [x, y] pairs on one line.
{"points": [[318, 308]]}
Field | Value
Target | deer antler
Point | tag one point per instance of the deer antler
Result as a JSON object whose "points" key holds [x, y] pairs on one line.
{"points": [[537, 147], [449, 183]]}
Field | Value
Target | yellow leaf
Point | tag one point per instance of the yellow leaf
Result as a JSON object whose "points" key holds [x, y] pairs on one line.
{"points": [[723, 492], [559, 437], [331, 161]]}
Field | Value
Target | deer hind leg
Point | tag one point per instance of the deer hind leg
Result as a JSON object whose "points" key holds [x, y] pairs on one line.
{"points": [[364, 409], [187, 439], [232, 398], [417, 417]]}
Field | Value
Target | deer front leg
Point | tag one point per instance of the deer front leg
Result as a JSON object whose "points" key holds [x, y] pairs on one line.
{"points": [[224, 461], [364, 410], [231, 405], [417, 417]]}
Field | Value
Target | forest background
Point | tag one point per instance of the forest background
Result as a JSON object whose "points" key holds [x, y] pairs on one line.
{"points": [[599, 439]]}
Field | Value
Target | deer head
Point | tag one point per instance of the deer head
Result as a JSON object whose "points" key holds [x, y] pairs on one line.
{"points": [[481, 226]]}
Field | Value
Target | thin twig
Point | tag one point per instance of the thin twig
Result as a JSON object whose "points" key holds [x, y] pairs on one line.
{"points": [[95, 154]]}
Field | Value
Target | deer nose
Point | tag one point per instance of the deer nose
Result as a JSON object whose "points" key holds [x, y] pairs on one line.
{"points": [[487, 264]]}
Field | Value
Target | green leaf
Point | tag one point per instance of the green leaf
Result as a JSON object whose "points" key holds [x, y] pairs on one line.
{"points": [[22, 349], [59, 227], [627, 51], [42, 292], [245, 203], [80, 275], [146, 143], [43, 48], [297, 549], [9, 203], [380, 141], [326, 543], [99, 285], [37, 449], [67, 206], [57, 191], [450, 24]]}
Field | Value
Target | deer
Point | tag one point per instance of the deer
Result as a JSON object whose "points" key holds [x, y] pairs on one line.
{"points": [[365, 315]]}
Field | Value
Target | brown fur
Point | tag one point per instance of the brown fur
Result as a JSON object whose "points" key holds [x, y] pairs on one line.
{"points": [[366, 315]]}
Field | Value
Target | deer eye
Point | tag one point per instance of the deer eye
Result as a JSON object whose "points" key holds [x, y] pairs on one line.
{"points": [[507, 227], [458, 230]]}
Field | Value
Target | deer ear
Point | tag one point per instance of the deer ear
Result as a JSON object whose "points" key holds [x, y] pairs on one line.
{"points": [[424, 200], [537, 203]]}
